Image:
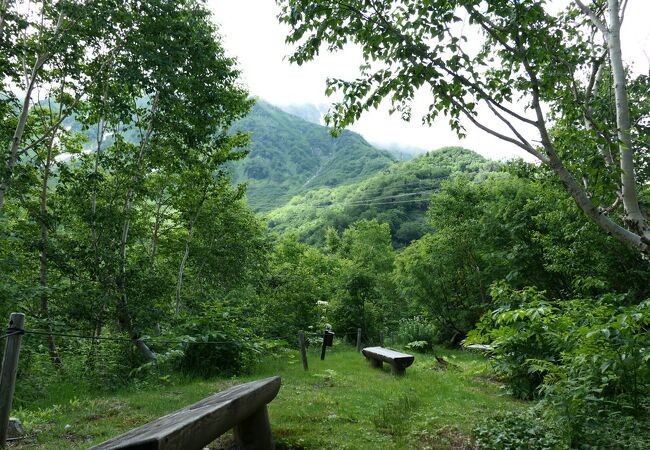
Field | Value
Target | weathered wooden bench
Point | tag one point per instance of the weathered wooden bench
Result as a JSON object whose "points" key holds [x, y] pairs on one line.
{"points": [[241, 407], [480, 347], [379, 355]]}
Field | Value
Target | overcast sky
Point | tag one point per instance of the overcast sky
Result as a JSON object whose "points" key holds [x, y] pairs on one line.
{"points": [[253, 35]]}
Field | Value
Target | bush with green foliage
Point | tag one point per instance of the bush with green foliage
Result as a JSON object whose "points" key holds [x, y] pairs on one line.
{"points": [[523, 329], [216, 343], [417, 330], [588, 358], [296, 291], [518, 431]]}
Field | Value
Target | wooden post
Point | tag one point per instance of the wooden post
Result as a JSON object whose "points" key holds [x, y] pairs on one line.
{"points": [[381, 338], [303, 350], [322, 352], [358, 339], [9, 371]]}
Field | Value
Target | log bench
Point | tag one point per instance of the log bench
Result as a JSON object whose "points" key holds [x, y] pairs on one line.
{"points": [[379, 355], [241, 407]]}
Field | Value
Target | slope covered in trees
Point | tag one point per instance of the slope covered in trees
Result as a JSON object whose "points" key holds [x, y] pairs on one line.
{"points": [[289, 156], [398, 195]]}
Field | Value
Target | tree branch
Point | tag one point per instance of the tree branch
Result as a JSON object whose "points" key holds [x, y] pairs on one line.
{"points": [[602, 26]]}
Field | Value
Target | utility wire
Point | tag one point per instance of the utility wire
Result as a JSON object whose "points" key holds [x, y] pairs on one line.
{"points": [[393, 196], [148, 340], [379, 190], [78, 336], [118, 339], [11, 334], [373, 200], [422, 200]]}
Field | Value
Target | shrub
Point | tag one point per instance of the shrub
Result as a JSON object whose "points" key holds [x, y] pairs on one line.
{"points": [[518, 331], [216, 344], [588, 358], [419, 346], [515, 431], [605, 374], [615, 431], [417, 330]]}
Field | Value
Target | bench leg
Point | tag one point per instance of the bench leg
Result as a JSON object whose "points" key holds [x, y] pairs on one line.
{"points": [[254, 433], [398, 371], [376, 363]]}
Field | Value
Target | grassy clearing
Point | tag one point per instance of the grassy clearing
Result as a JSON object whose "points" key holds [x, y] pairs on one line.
{"points": [[340, 403]]}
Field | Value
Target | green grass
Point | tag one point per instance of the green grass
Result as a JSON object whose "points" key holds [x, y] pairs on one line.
{"points": [[339, 403]]}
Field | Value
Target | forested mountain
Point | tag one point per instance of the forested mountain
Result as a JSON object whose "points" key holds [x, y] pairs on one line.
{"points": [[289, 156], [398, 195]]}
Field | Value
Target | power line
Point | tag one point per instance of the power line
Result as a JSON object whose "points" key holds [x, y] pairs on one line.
{"points": [[371, 200], [394, 196], [430, 188], [78, 336], [422, 200], [406, 186]]}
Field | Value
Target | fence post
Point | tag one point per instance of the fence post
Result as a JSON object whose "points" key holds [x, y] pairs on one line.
{"points": [[322, 352], [9, 371], [303, 350], [381, 338], [358, 339]]}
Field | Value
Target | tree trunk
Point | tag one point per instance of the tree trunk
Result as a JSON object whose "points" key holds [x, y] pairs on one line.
{"points": [[123, 315], [93, 204], [14, 145], [181, 269], [571, 185], [43, 269], [186, 254], [156, 225], [634, 216]]}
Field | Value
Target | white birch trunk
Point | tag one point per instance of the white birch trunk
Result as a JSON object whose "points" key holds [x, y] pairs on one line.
{"points": [[634, 216], [16, 140]]}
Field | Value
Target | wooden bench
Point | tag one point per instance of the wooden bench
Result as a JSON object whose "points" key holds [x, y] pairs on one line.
{"points": [[242, 407], [379, 355]]}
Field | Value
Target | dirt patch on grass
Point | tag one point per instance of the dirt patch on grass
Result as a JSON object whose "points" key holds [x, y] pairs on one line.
{"points": [[104, 408], [447, 438], [489, 379]]}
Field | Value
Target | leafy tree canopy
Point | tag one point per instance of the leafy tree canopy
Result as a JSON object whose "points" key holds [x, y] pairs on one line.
{"points": [[544, 75]]}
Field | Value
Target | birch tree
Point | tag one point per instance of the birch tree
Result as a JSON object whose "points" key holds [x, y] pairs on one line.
{"points": [[545, 77], [51, 50]]}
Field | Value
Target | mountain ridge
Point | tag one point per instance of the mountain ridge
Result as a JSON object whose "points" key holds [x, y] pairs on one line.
{"points": [[397, 195], [290, 155]]}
